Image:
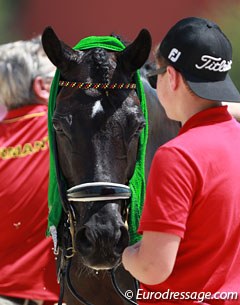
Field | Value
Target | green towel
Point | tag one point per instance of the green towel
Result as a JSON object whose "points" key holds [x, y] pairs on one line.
{"points": [[137, 183]]}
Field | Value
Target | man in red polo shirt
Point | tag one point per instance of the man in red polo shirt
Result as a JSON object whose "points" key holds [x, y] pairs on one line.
{"points": [[190, 225], [27, 265]]}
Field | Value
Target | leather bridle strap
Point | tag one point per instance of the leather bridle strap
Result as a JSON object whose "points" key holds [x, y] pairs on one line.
{"points": [[72, 289], [82, 299], [118, 290]]}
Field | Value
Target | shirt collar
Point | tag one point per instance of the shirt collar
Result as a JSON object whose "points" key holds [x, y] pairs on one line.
{"points": [[29, 109], [207, 117]]}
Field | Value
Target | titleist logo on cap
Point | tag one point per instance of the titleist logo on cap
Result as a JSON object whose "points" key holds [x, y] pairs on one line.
{"points": [[216, 64]]}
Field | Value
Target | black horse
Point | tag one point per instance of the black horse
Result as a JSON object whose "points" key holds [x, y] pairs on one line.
{"points": [[97, 133]]}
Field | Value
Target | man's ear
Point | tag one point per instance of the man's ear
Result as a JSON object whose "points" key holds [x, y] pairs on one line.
{"points": [[174, 78], [41, 89]]}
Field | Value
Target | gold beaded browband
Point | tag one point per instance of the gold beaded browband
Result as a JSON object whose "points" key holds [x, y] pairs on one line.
{"points": [[86, 86]]}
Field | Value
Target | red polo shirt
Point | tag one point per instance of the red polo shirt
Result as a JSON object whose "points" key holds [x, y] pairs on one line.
{"points": [[193, 191], [27, 265]]}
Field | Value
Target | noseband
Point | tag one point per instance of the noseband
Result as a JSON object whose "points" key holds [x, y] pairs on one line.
{"points": [[98, 191], [92, 192]]}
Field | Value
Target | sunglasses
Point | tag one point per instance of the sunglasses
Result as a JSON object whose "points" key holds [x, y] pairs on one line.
{"points": [[152, 76], [161, 70]]}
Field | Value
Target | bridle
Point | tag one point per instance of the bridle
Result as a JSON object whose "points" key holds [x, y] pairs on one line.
{"points": [[86, 192]]}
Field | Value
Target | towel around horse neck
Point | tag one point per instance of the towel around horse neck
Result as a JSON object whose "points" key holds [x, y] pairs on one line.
{"points": [[137, 182]]}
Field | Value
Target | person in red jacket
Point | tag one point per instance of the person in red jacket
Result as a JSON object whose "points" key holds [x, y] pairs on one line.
{"points": [[27, 265], [190, 224]]}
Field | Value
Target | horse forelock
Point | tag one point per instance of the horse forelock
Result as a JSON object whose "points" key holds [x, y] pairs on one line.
{"points": [[101, 64]]}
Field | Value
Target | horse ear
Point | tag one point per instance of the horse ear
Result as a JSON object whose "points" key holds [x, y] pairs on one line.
{"points": [[136, 54], [57, 51]]}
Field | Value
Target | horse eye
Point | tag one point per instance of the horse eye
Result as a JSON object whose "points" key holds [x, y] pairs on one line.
{"points": [[139, 129], [57, 126]]}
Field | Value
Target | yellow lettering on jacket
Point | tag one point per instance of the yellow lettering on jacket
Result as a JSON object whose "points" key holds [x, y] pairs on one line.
{"points": [[24, 150]]}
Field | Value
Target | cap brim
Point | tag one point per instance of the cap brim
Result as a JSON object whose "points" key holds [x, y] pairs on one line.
{"points": [[222, 91]]}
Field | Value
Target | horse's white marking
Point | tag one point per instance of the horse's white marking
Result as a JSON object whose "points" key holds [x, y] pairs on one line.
{"points": [[97, 108]]}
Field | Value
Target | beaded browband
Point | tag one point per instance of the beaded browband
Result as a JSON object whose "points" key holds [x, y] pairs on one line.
{"points": [[86, 86]]}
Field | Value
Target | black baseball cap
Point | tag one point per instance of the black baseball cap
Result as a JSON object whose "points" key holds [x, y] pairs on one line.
{"points": [[203, 54]]}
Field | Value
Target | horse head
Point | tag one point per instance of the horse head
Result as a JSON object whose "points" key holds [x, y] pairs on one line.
{"points": [[97, 133]]}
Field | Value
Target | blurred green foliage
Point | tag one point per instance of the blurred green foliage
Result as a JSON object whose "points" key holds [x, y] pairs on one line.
{"points": [[8, 13], [227, 16]]}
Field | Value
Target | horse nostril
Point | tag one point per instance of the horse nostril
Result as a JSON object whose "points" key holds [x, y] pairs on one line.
{"points": [[123, 240], [85, 241]]}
